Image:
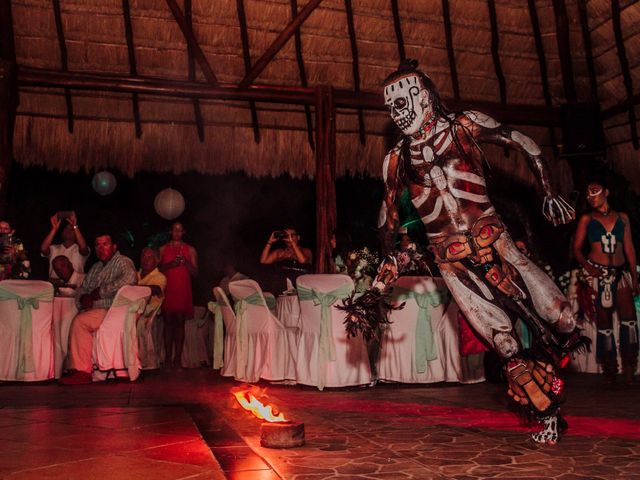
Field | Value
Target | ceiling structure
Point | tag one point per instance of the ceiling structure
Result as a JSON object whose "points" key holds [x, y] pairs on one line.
{"points": [[224, 85]]}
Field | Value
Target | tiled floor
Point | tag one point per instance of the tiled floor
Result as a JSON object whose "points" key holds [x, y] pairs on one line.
{"points": [[184, 424]]}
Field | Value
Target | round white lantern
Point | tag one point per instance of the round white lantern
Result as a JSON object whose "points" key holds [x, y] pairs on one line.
{"points": [[104, 183], [169, 203]]}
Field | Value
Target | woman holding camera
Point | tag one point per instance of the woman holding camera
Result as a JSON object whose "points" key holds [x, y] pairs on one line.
{"points": [[178, 262], [292, 260]]}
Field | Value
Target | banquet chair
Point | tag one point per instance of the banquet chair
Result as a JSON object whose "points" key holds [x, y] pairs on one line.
{"points": [[270, 299], [421, 344], [224, 334], [262, 350], [327, 357], [196, 332], [116, 340], [26, 326], [147, 347]]}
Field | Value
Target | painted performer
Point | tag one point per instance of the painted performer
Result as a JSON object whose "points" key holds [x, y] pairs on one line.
{"points": [[440, 163], [609, 270]]}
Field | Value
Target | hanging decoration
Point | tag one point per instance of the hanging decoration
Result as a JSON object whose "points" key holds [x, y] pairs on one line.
{"points": [[104, 183], [169, 203]]}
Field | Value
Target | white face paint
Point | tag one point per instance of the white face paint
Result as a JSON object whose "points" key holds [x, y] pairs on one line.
{"points": [[404, 97]]}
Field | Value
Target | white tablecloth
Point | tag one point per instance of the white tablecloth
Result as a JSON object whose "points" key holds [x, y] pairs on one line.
{"points": [[64, 311], [288, 310]]}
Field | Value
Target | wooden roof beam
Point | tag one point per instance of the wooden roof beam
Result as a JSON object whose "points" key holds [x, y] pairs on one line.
{"points": [[588, 50], [624, 66], [355, 66], [495, 51], [564, 50], [246, 55], [542, 62], [303, 76], [57, 14], [398, 28], [448, 33], [133, 69], [278, 43], [197, 112], [511, 114], [192, 42]]}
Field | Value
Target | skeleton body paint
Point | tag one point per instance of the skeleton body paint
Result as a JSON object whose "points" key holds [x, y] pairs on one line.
{"points": [[440, 162]]}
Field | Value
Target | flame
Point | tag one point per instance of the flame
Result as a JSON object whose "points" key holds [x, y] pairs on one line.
{"points": [[249, 402]]}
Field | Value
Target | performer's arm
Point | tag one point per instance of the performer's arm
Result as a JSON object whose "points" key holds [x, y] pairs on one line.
{"points": [[486, 129], [630, 253], [389, 220]]}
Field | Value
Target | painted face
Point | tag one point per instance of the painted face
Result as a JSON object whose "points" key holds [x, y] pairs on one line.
{"points": [[104, 248], [596, 195], [408, 103]]}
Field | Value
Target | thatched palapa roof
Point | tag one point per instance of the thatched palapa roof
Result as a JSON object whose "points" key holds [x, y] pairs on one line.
{"points": [[519, 60]]}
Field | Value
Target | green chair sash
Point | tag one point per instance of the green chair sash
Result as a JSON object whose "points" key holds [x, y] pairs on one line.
{"points": [[242, 336], [130, 339], [26, 363], [326, 350], [425, 346], [218, 334]]}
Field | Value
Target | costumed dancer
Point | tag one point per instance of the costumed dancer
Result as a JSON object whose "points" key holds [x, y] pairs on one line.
{"points": [[610, 272], [440, 163]]}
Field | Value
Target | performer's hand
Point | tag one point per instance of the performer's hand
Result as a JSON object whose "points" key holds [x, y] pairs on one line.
{"points": [[556, 210]]}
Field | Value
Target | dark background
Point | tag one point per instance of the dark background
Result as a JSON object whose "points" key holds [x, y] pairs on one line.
{"points": [[229, 218]]}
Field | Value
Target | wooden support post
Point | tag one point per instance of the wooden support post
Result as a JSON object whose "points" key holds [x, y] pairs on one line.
{"points": [[326, 215], [8, 99]]}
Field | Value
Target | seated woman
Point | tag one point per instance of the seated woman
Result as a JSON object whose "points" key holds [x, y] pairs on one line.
{"points": [[610, 271], [290, 260]]}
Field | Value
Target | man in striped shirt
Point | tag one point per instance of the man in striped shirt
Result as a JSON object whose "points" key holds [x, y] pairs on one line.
{"points": [[93, 298]]}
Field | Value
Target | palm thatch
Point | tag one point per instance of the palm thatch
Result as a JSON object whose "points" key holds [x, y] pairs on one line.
{"points": [[104, 133]]}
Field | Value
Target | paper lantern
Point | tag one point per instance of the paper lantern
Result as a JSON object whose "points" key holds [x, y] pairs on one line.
{"points": [[104, 183], [169, 203]]}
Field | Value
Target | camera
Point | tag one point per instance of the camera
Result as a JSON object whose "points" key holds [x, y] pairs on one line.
{"points": [[280, 234], [64, 214]]}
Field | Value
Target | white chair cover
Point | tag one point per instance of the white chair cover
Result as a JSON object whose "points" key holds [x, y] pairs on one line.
{"points": [[147, 350], [262, 349], [443, 363], [196, 333], [327, 357], [26, 330], [116, 341], [229, 362], [64, 311]]}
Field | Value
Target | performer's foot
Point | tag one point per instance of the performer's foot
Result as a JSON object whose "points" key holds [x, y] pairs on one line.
{"points": [[549, 434]]}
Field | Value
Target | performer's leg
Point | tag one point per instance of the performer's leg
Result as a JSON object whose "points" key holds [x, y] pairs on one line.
{"points": [[548, 301], [606, 353], [628, 331]]}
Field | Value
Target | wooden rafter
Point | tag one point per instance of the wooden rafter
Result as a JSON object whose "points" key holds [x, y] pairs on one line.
{"points": [[197, 112], [542, 62], [624, 66], [588, 50], [133, 69], [192, 42], [303, 75], [246, 55], [398, 28], [57, 14], [564, 50], [355, 66], [278, 43], [495, 51], [512, 114], [446, 16]]}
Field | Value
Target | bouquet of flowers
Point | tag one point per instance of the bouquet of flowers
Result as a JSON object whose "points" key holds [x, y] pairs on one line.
{"points": [[361, 263]]}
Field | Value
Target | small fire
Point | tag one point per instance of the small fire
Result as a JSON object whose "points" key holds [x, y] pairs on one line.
{"points": [[266, 412]]}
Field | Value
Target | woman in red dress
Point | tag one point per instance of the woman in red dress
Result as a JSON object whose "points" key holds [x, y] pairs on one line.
{"points": [[178, 262]]}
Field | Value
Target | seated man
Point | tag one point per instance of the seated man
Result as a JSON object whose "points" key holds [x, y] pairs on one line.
{"points": [[94, 297], [67, 280], [151, 277]]}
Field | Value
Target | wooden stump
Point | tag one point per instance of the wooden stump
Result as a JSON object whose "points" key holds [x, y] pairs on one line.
{"points": [[281, 434]]}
